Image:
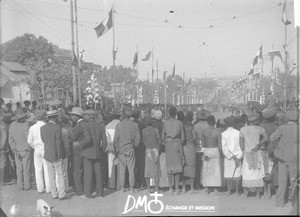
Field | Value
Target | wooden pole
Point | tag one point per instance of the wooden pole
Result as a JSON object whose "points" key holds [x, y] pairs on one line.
{"points": [[114, 61], [73, 52], [78, 57], [285, 71]]}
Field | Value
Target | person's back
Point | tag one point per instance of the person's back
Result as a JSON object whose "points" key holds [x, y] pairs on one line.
{"points": [[251, 135], [172, 128], [127, 134], [210, 137], [288, 142]]}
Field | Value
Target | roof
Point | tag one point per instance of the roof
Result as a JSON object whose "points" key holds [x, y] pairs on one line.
{"points": [[12, 70], [14, 66]]}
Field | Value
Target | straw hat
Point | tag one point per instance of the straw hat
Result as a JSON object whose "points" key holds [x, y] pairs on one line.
{"points": [[76, 111], [52, 113], [19, 114]]}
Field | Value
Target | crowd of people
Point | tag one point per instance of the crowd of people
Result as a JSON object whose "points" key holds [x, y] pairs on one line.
{"points": [[87, 151]]}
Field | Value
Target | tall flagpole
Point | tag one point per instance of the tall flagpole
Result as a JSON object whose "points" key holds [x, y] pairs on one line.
{"points": [[157, 85], [73, 52], [285, 66], [78, 58], [114, 56], [165, 90], [137, 73], [152, 63]]}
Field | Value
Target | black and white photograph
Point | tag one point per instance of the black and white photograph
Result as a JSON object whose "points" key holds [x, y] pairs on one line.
{"points": [[149, 108]]}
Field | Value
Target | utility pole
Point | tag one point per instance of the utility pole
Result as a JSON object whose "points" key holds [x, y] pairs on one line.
{"points": [[78, 58], [73, 53]]}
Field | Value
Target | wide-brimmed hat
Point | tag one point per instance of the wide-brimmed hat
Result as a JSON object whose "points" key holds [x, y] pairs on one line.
{"points": [[229, 121], [76, 111], [89, 112], [268, 113], [19, 114], [117, 111], [292, 115], [40, 114], [253, 117], [52, 113], [158, 115]]}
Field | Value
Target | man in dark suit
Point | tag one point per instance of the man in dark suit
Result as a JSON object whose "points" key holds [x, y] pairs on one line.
{"points": [[77, 136], [93, 144], [54, 155]]}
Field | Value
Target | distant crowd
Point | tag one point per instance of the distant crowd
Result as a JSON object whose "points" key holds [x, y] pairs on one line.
{"points": [[65, 150]]}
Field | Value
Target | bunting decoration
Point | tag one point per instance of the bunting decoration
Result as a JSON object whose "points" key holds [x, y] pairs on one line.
{"points": [[147, 57], [284, 17], [105, 25]]}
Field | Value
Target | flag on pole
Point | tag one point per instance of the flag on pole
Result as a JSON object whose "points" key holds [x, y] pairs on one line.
{"points": [[274, 53], [105, 25], [135, 59], [147, 57], [165, 75], [297, 13], [173, 75], [74, 59], [284, 17], [251, 71], [190, 82], [258, 56], [152, 73]]}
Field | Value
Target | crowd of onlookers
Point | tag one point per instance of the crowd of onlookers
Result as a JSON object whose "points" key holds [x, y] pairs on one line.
{"points": [[123, 147]]}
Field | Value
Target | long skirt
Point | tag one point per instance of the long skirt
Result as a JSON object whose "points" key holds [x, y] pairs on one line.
{"points": [[174, 156], [152, 166], [211, 168], [189, 169], [111, 171], [253, 170]]}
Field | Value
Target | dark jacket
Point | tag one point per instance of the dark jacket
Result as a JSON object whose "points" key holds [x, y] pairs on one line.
{"points": [[141, 125], [54, 147], [94, 140], [77, 136]]}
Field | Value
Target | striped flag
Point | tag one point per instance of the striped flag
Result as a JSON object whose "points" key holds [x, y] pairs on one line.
{"points": [[105, 25], [147, 57], [173, 99], [258, 56], [284, 17], [251, 71], [155, 97]]}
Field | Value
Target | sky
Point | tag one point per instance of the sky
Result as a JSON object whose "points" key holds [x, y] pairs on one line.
{"points": [[213, 38]]}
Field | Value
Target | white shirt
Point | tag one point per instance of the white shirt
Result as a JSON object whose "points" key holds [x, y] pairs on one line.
{"points": [[34, 136], [230, 147]]}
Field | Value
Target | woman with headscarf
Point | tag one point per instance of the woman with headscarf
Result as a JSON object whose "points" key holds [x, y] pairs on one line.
{"points": [[173, 137], [152, 141], [253, 167], [189, 151]]}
